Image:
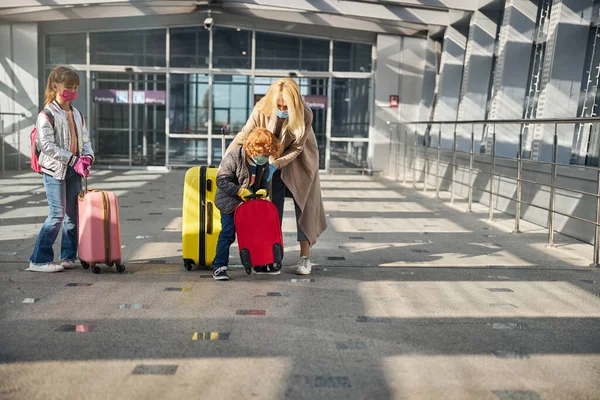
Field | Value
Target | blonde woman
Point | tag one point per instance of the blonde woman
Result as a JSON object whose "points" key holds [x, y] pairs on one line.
{"points": [[296, 171]]}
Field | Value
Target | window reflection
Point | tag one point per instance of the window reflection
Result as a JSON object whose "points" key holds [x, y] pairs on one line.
{"points": [[189, 104]]}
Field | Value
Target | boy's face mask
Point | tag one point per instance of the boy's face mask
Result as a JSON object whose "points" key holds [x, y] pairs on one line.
{"points": [[260, 160]]}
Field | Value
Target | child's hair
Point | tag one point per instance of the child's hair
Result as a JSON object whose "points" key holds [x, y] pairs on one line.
{"points": [[260, 141], [61, 76]]}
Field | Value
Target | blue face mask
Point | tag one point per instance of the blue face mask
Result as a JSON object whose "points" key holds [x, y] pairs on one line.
{"points": [[282, 114], [260, 160]]}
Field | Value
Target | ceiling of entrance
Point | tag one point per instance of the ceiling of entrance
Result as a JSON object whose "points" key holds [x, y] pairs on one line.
{"points": [[405, 17]]}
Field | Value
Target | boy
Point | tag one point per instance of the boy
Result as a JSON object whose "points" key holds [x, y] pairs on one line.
{"points": [[242, 172]]}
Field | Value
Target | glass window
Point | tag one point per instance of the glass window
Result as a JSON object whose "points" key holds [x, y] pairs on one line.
{"points": [[138, 48], [232, 48], [351, 57], [66, 49], [217, 153], [189, 47], [231, 102], [188, 151], [189, 104], [350, 108], [348, 155], [274, 51]]}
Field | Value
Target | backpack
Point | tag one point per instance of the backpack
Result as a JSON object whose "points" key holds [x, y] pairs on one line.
{"points": [[35, 151]]}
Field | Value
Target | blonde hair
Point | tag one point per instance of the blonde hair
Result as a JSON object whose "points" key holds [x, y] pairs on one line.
{"points": [[260, 141], [289, 91], [61, 76]]}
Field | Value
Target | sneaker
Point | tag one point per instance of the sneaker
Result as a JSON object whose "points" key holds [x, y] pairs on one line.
{"points": [[220, 274], [67, 264], [304, 266], [48, 267], [267, 269]]}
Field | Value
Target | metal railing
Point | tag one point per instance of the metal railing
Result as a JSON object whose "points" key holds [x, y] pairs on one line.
{"points": [[3, 134], [402, 141]]}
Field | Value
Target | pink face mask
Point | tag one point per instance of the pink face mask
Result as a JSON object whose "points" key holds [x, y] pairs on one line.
{"points": [[68, 95]]}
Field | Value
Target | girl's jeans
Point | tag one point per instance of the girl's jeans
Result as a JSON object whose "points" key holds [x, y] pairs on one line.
{"points": [[62, 206]]}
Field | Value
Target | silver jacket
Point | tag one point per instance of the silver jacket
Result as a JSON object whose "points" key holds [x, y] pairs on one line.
{"points": [[54, 143]]}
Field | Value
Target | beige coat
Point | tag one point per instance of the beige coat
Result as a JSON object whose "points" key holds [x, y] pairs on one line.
{"points": [[299, 165]]}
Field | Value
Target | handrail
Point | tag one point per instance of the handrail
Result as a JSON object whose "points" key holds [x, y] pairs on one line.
{"points": [[23, 115], [502, 121], [401, 140]]}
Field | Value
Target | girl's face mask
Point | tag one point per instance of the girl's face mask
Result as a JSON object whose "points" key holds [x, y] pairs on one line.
{"points": [[68, 95]]}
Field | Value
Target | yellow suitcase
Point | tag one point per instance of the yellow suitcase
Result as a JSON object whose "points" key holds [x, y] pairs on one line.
{"points": [[201, 223]]}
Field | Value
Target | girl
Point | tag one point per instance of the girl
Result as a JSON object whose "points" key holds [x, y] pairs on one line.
{"points": [[283, 112], [242, 172], [65, 156]]}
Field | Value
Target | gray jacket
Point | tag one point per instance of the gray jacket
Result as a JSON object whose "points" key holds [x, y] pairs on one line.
{"points": [[54, 143], [234, 173]]}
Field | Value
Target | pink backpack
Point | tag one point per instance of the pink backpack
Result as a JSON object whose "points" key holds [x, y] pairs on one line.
{"points": [[35, 151]]}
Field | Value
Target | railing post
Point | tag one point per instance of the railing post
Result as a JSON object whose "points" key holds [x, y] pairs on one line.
{"points": [[390, 146], [519, 177], [596, 262], [453, 166], [414, 160], [397, 166], [552, 189], [405, 160], [2, 128], [492, 173], [19, 145], [437, 166], [471, 156], [425, 161]]}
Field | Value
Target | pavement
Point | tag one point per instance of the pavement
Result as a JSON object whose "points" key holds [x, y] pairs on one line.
{"points": [[411, 297]]}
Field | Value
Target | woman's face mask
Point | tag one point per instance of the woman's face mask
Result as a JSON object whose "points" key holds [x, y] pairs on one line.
{"points": [[282, 110], [260, 160]]}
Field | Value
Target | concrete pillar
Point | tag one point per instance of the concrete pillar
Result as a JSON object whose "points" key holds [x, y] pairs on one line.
{"points": [[479, 62], [430, 83], [451, 74], [512, 73], [399, 71], [562, 74], [18, 87]]}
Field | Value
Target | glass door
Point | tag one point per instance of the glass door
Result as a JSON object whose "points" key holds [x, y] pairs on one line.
{"points": [[128, 118]]}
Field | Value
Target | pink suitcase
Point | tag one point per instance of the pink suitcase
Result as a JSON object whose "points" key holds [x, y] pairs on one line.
{"points": [[99, 230]]}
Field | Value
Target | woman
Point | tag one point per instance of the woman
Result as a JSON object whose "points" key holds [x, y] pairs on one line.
{"points": [[296, 171], [65, 156]]}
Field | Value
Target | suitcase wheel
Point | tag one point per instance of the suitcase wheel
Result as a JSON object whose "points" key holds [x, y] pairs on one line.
{"points": [[96, 269], [277, 266], [85, 265], [188, 265], [248, 270], [120, 268]]}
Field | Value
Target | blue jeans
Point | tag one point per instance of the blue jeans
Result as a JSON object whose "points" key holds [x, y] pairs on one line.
{"points": [[62, 206], [226, 238]]}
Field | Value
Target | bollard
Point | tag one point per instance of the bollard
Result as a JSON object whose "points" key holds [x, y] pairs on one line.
{"points": [[19, 145], [425, 162], [405, 148], [414, 160]]}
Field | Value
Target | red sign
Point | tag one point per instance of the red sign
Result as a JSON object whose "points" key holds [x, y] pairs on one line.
{"points": [[393, 100]]}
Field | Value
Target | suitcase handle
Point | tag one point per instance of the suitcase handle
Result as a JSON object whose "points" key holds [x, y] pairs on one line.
{"points": [[253, 196], [209, 223]]}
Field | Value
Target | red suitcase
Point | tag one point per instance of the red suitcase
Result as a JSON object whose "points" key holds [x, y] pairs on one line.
{"points": [[259, 234]]}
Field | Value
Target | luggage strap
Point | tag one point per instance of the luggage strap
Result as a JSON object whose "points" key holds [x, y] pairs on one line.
{"points": [[106, 215]]}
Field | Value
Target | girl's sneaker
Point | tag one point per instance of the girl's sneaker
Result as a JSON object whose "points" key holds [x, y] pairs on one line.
{"points": [[48, 267], [220, 274]]}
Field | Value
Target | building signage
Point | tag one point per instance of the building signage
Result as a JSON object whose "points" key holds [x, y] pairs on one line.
{"points": [[112, 96], [393, 100]]}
